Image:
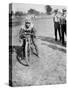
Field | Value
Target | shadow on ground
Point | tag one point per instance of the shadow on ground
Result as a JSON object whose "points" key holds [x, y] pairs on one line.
{"points": [[53, 44], [55, 47], [51, 40]]}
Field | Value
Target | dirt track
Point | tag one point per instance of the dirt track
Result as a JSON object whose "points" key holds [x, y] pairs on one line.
{"points": [[50, 67]]}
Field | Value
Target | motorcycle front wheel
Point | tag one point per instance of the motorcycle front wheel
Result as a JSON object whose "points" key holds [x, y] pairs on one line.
{"points": [[22, 61]]}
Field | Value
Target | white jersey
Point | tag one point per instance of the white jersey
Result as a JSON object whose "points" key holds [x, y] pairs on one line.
{"points": [[56, 18], [26, 30]]}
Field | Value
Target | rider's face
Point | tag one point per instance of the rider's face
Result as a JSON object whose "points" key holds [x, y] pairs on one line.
{"points": [[27, 25]]}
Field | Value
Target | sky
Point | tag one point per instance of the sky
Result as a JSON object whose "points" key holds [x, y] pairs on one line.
{"points": [[26, 7]]}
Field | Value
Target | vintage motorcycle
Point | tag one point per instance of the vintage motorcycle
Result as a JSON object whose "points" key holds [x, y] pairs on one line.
{"points": [[28, 47]]}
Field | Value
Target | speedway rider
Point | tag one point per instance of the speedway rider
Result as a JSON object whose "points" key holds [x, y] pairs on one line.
{"points": [[28, 26]]}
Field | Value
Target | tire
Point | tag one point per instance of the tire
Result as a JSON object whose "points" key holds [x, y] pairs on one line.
{"points": [[21, 61]]}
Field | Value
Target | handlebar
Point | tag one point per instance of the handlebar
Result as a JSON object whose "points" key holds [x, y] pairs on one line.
{"points": [[28, 34], [37, 37]]}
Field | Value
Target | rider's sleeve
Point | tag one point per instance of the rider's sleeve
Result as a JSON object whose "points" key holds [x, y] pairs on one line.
{"points": [[34, 31], [20, 33]]}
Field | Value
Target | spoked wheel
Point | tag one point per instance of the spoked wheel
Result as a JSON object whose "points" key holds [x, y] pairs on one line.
{"points": [[22, 61]]}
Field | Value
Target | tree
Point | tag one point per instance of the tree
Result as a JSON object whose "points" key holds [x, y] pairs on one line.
{"points": [[32, 11], [48, 9], [18, 13]]}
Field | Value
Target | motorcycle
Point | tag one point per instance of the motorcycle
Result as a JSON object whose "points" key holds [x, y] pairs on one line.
{"points": [[26, 61]]}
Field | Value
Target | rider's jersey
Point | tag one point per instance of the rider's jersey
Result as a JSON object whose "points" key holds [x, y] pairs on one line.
{"points": [[24, 31]]}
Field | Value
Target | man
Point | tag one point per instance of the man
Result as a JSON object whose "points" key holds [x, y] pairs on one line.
{"points": [[28, 26], [56, 20], [63, 25]]}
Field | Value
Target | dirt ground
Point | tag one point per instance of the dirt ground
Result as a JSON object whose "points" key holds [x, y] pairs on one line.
{"points": [[50, 67]]}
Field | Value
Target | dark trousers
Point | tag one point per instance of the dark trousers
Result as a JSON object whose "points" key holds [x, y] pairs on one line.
{"points": [[63, 31], [57, 29]]}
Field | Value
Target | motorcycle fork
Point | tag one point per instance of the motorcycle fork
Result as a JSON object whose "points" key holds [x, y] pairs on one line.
{"points": [[27, 51]]}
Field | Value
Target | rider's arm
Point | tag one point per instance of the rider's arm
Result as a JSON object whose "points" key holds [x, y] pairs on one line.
{"points": [[34, 32], [21, 33]]}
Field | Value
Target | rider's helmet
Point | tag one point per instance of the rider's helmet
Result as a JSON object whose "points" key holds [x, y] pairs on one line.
{"points": [[28, 22]]}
